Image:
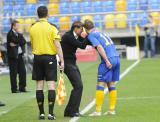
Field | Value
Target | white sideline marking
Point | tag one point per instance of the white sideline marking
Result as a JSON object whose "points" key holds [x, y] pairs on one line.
{"points": [[3, 112], [90, 105]]}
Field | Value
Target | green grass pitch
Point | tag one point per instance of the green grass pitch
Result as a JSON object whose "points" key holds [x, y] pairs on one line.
{"points": [[138, 96]]}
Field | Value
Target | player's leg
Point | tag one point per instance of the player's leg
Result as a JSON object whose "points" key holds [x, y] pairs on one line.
{"points": [[112, 85], [112, 97], [104, 74]]}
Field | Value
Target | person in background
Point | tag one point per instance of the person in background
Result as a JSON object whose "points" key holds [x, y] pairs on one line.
{"points": [[150, 37], [15, 51]]}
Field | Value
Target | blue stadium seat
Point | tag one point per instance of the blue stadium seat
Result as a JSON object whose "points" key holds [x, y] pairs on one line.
{"points": [[6, 25], [97, 6], [154, 4], [7, 10], [19, 10], [74, 6], [30, 9], [108, 6], [133, 19], [98, 21], [132, 5], [8, 2], [64, 1], [87, 0], [143, 4], [20, 2], [64, 8], [86, 7], [143, 19], [75, 18], [54, 20], [42, 1]]}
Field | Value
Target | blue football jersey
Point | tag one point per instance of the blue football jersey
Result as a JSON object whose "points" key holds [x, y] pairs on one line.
{"points": [[98, 38]]}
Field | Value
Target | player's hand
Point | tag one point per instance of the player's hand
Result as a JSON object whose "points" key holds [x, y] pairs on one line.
{"points": [[109, 65]]}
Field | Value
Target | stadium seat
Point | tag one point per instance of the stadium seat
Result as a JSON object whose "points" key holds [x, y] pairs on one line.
{"points": [[30, 9], [98, 21], [76, 0], [42, 1], [121, 20], [31, 1], [64, 1], [120, 5], [19, 10], [53, 1], [156, 17], [143, 19], [97, 6], [143, 4], [64, 8], [64, 23], [21, 25], [28, 22], [86, 7], [6, 25], [154, 4], [83, 18], [75, 18], [53, 9], [8, 2], [74, 6], [54, 20], [109, 21], [133, 19], [20, 2], [132, 5], [108, 6], [7, 10]]}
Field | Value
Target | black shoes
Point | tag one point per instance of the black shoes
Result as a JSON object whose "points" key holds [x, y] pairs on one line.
{"points": [[73, 115], [2, 104], [15, 91]]}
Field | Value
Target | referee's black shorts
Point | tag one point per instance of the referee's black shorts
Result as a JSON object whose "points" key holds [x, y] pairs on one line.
{"points": [[44, 68]]}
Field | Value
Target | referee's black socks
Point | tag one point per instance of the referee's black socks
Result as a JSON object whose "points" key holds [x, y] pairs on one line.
{"points": [[51, 100], [40, 100]]}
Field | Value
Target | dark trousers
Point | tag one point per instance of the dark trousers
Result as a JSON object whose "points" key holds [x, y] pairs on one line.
{"points": [[74, 76], [17, 66]]}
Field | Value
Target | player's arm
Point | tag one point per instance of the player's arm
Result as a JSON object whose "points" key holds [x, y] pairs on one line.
{"points": [[100, 49], [104, 56]]}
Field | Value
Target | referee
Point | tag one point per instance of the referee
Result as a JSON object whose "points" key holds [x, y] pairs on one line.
{"points": [[45, 43]]}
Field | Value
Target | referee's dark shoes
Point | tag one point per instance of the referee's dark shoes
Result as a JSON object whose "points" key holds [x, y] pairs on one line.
{"points": [[1, 104]]}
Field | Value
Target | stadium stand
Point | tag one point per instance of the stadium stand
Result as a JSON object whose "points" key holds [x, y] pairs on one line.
{"points": [[102, 12], [109, 21], [65, 23], [74, 6]]}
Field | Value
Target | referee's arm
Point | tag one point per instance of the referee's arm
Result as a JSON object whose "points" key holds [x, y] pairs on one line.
{"points": [[59, 52]]}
